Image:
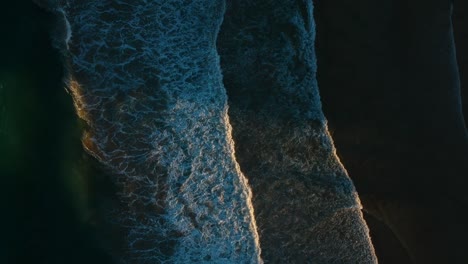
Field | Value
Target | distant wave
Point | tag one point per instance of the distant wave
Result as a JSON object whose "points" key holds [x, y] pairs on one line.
{"points": [[282, 141]]}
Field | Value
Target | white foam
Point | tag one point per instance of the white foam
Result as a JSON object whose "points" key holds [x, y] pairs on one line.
{"points": [[147, 80]]}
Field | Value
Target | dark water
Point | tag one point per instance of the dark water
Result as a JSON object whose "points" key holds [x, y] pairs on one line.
{"points": [[47, 180], [45, 206], [389, 80]]}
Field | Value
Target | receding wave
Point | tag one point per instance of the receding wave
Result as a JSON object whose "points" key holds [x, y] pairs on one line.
{"points": [[282, 141]]}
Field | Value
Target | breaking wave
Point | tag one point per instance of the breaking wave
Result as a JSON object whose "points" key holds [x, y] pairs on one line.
{"points": [[145, 77]]}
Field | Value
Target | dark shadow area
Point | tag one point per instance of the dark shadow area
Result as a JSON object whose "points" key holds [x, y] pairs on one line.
{"points": [[387, 246], [389, 85], [460, 26], [47, 201]]}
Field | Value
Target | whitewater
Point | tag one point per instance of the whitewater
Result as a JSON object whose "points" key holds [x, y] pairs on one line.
{"points": [[145, 77]]}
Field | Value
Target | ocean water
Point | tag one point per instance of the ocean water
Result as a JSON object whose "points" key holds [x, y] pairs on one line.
{"points": [[145, 78], [282, 140], [50, 214], [44, 207]]}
